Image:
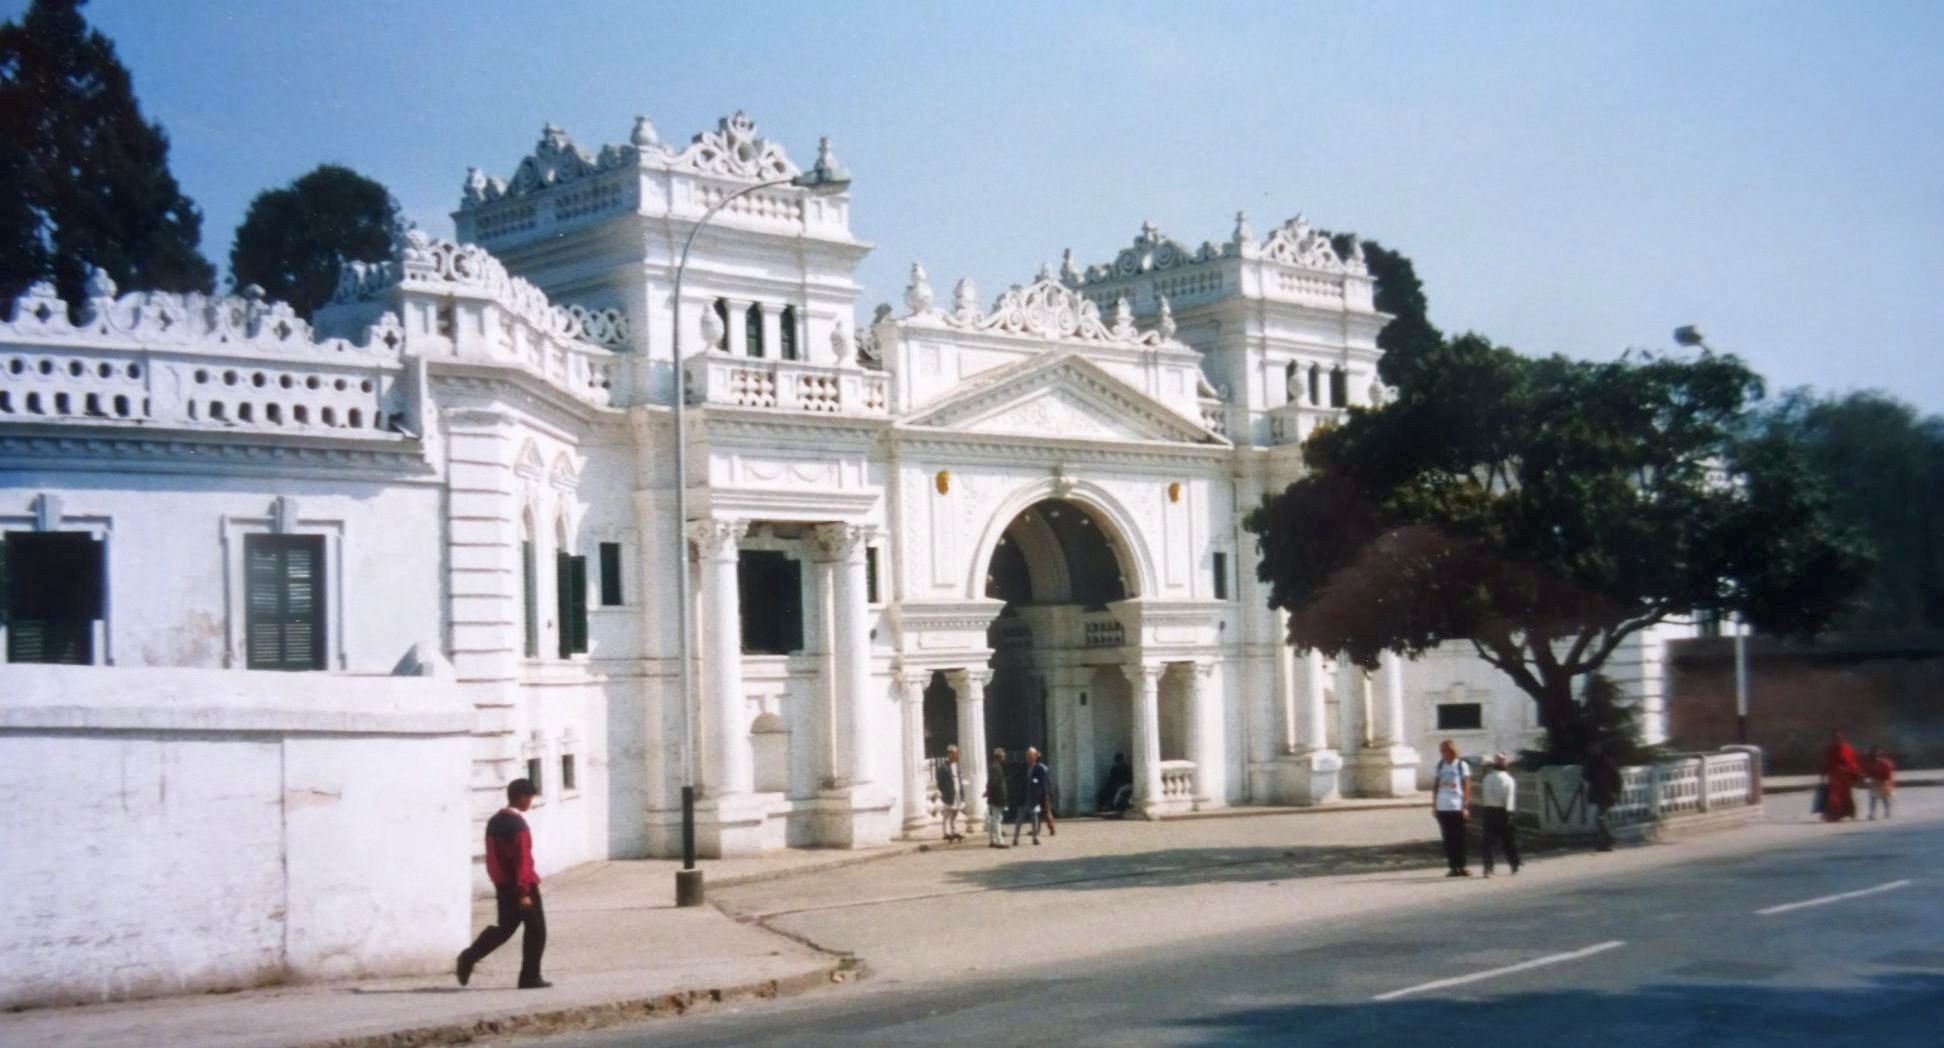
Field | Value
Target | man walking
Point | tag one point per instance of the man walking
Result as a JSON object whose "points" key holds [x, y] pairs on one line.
{"points": [[1449, 802], [509, 864], [995, 797], [1499, 797], [951, 793], [1038, 786]]}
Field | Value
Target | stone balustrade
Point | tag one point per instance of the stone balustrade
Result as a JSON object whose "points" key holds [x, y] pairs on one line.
{"points": [[786, 385], [1214, 416], [1681, 788], [1292, 423], [1178, 783], [157, 360]]}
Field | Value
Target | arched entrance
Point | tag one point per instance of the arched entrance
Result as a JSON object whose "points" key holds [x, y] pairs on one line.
{"points": [[1056, 684]]}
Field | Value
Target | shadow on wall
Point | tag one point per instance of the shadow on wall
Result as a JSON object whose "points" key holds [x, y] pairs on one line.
{"points": [[1881, 691], [1898, 1007]]}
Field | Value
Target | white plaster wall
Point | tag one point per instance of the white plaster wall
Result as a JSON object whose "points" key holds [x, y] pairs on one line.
{"points": [[175, 830], [173, 596], [1454, 673]]}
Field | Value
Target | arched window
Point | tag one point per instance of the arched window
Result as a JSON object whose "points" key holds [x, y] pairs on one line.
{"points": [[1289, 380], [1316, 385], [722, 315], [1339, 387], [786, 342], [753, 330], [530, 588]]}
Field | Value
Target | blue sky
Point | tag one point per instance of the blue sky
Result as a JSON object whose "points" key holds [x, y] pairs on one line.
{"points": [[1568, 178]]}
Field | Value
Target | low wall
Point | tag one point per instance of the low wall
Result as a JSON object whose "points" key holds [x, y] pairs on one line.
{"points": [[1653, 797], [179, 830], [1880, 690]]}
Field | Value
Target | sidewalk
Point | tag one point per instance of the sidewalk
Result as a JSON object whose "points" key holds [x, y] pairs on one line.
{"points": [[619, 949]]}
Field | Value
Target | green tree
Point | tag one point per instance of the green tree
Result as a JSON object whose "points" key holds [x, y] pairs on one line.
{"points": [[1410, 336], [1884, 467], [1544, 510], [294, 240], [84, 179]]}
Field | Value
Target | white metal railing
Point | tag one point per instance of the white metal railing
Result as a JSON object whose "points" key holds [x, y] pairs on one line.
{"points": [[786, 385], [1556, 799], [1177, 780]]}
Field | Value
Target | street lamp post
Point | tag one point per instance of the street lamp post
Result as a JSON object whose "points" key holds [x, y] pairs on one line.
{"points": [[823, 179], [1691, 336]]}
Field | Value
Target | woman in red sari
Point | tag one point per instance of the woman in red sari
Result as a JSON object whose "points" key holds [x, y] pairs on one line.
{"points": [[1840, 771]]}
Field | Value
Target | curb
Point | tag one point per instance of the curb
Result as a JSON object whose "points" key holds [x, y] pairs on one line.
{"points": [[594, 1016], [1251, 811], [1809, 787]]}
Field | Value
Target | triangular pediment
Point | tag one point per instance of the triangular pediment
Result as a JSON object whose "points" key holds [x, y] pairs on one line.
{"points": [[1058, 396]]}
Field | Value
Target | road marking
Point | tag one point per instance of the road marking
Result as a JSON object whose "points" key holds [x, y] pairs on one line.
{"points": [[1536, 962], [1787, 906]]}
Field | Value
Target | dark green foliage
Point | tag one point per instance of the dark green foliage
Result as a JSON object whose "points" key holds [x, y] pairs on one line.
{"points": [[84, 179], [1410, 336], [1884, 468], [294, 240], [1602, 724], [1545, 511]]}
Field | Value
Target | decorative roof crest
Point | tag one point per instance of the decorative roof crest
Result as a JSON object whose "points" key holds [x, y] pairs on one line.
{"points": [[1153, 250], [555, 159], [182, 319], [1049, 309], [423, 263], [1295, 243], [734, 149]]}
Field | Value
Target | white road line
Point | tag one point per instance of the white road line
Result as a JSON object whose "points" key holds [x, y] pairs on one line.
{"points": [[1495, 973], [1536, 962], [1787, 906]]}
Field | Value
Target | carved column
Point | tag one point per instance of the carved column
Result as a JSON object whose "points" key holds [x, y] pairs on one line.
{"points": [[1146, 679], [1387, 714], [911, 705], [1314, 725], [843, 546], [1203, 746], [728, 769], [1288, 685], [1350, 684], [970, 685]]}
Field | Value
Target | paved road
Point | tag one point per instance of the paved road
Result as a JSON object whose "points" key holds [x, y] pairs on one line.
{"points": [[1851, 951]]}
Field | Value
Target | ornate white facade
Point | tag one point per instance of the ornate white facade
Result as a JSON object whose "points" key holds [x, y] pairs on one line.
{"points": [[997, 522]]}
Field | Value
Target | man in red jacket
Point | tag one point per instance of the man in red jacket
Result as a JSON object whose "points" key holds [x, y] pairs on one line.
{"points": [[509, 863]]}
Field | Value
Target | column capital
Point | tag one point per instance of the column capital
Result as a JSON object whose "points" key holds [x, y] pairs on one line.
{"points": [[1144, 673], [912, 682], [717, 539], [842, 541], [977, 677]]}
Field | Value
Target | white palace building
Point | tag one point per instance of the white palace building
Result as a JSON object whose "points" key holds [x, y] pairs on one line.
{"points": [[445, 512]]}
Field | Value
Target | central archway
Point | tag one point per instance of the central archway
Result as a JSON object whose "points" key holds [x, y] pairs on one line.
{"points": [[1057, 565]]}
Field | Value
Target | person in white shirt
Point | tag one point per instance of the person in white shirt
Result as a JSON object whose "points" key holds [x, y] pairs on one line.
{"points": [[1499, 796], [1450, 802], [951, 793]]}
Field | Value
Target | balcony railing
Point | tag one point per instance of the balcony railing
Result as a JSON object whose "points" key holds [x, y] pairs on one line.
{"points": [[786, 385]]}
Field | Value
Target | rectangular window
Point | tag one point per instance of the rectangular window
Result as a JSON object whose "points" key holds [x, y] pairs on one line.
{"points": [[55, 584], [284, 601], [530, 596], [1460, 716], [770, 586], [1221, 576], [871, 576], [610, 574], [567, 780], [533, 772], [570, 574]]}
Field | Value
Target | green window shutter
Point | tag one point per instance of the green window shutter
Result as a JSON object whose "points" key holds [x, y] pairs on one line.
{"points": [[563, 604], [753, 330], [610, 574], [577, 607], [283, 602], [530, 593], [786, 342], [55, 590]]}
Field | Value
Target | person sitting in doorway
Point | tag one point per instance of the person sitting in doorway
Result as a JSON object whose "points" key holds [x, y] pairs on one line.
{"points": [[1117, 793]]}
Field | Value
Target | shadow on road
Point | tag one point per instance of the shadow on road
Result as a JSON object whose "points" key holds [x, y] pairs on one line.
{"points": [[1183, 866], [1901, 1007]]}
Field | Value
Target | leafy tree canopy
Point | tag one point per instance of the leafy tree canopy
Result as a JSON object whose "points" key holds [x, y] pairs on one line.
{"points": [[1883, 465], [1410, 336], [84, 179], [294, 240], [1544, 510]]}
